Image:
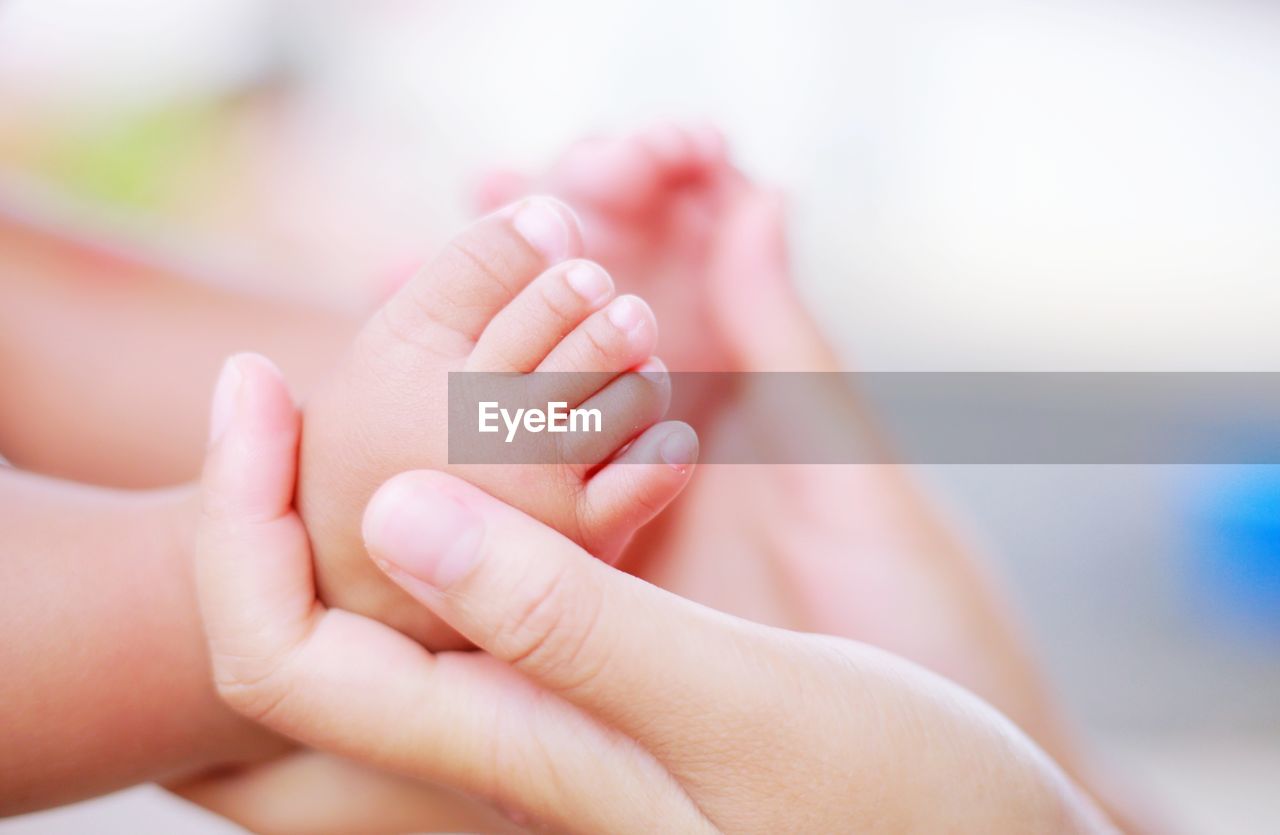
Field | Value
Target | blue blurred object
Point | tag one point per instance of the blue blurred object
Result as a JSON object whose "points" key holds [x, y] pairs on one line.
{"points": [[1236, 533]]}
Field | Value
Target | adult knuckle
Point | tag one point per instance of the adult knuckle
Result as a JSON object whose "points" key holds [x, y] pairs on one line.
{"points": [[253, 678], [250, 687], [553, 634]]}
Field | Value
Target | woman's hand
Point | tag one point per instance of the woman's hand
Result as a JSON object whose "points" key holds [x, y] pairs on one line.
{"points": [[600, 702], [315, 793], [862, 552]]}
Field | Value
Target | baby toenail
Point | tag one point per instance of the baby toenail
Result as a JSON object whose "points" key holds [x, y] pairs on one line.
{"points": [[541, 224], [590, 282], [626, 313], [680, 448]]}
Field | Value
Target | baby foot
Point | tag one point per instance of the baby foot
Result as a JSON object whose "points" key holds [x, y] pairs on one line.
{"points": [[507, 295], [650, 204]]}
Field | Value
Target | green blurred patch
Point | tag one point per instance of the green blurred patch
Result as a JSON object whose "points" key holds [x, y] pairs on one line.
{"points": [[142, 161]]}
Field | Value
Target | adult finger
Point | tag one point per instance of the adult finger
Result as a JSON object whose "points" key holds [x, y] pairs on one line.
{"points": [[345, 684], [320, 794], [253, 565], [647, 662]]}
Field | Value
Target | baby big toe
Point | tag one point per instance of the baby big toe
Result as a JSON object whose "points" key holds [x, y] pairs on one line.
{"points": [[479, 272]]}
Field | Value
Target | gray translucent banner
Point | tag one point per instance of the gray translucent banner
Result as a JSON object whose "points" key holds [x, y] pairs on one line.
{"points": [[861, 418]]}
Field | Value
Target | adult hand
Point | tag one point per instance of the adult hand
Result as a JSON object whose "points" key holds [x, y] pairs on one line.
{"points": [[600, 702], [856, 551], [313, 793], [862, 552]]}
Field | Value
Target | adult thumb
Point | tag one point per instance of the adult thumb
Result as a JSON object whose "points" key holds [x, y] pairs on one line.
{"points": [[630, 653]]}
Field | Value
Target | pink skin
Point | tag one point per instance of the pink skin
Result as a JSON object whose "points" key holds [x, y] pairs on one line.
{"points": [[666, 213], [799, 558], [651, 205], [851, 577]]}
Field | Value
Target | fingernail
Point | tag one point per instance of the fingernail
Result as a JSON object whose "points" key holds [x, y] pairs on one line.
{"points": [[543, 225], [225, 395], [590, 282], [680, 448], [626, 313], [424, 533]]}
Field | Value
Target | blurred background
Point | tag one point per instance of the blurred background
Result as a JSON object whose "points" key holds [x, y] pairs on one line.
{"points": [[1017, 185]]}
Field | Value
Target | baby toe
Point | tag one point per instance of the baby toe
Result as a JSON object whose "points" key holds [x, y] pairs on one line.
{"points": [[632, 489], [524, 332], [611, 340], [626, 407], [479, 272]]}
